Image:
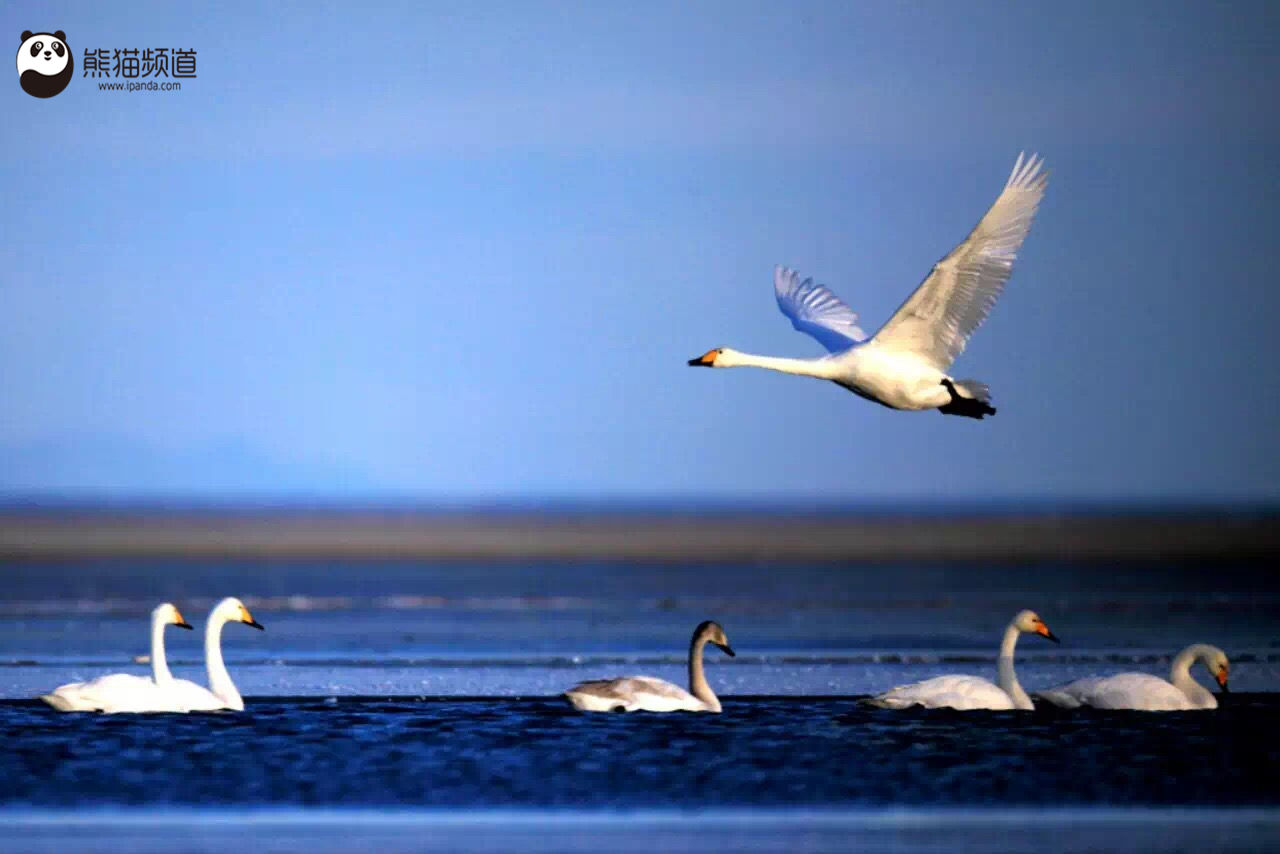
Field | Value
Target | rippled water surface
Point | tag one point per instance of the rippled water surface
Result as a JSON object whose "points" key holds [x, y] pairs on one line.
{"points": [[761, 752]]}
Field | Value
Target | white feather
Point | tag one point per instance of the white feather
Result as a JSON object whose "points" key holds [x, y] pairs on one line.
{"points": [[1144, 692], [814, 310], [947, 692], [937, 319], [633, 694]]}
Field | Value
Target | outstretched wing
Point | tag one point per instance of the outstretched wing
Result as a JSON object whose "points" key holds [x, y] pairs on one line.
{"points": [[936, 321], [814, 310]]}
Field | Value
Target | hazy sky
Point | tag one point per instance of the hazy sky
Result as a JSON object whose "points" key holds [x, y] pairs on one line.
{"points": [[462, 251]]}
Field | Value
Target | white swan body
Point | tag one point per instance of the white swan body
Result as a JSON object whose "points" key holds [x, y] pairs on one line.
{"points": [[1144, 692], [126, 692], [967, 693], [904, 366], [648, 694], [221, 693]]}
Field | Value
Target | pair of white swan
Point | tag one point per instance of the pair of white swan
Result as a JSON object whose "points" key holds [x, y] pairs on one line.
{"points": [[1136, 691], [905, 364], [647, 694], [124, 692]]}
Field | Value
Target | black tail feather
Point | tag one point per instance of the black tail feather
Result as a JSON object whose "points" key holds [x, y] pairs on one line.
{"points": [[967, 406]]}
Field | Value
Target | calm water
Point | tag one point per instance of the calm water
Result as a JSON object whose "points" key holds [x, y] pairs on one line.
{"points": [[412, 706]]}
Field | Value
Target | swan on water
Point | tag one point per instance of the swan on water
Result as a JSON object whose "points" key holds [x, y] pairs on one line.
{"points": [[905, 364], [221, 693], [645, 693], [1144, 692], [126, 692], [973, 692]]}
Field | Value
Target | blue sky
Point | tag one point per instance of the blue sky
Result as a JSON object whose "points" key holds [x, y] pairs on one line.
{"points": [[461, 252]]}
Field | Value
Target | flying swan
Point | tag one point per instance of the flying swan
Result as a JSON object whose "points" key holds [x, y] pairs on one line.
{"points": [[221, 693], [1144, 692], [904, 366], [973, 692], [125, 692], [647, 694]]}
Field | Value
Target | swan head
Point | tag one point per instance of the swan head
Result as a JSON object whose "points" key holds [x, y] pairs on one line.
{"points": [[721, 357], [1216, 661], [169, 615], [232, 610], [712, 632], [1029, 621]]}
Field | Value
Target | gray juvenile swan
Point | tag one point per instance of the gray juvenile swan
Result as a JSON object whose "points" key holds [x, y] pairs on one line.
{"points": [[645, 693]]}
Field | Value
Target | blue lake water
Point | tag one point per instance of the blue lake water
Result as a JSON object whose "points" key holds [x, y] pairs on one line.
{"points": [[533, 753], [412, 706]]}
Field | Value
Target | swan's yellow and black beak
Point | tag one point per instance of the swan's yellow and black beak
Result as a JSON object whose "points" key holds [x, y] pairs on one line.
{"points": [[706, 360], [180, 621], [728, 650], [248, 620], [1221, 676], [1042, 629]]}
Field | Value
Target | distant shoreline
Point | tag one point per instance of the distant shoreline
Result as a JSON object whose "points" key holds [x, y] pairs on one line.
{"points": [[67, 533]]}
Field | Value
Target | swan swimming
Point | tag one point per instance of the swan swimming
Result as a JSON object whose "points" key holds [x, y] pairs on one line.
{"points": [[1144, 692], [125, 692], [647, 694], [904, 366], [221, 693], [973, 692]]}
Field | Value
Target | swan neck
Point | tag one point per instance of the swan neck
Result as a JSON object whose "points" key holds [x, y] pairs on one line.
{"points": [[219, 680], [1010, 641], [820, 367], [1181, 669], [159, 664], [1180, 676], [1004, 665], [698, 686]]}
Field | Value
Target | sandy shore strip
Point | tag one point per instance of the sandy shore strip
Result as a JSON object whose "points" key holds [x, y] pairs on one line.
{"points": [[61, 534]]}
